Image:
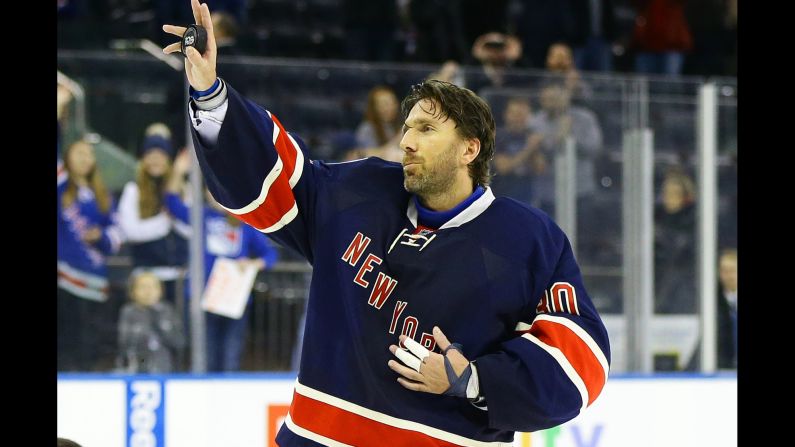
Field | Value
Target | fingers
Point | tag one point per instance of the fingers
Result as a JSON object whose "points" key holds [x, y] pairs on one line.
{"points": [[407, 358], [414, 386], [173, 48], [208, 25], [195, 57], [404, 371], [197, 15], [441, 340], [204, 10], [417, 349], [175, 30]]}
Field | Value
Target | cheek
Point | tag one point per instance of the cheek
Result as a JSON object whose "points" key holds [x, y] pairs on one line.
{"points": [[83, 166]]}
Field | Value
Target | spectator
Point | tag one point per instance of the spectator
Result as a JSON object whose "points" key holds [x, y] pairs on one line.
{"points": [[226, 29], [726, 315], [560, 64], [517, 146], [661, 36], [727, 310], [236, 9], [557, 121], [379, 134], [225, 237], [496, 53], [150, 331], [86, 235], [596, 33], [157, 242], [539, 24], [674, 246]]}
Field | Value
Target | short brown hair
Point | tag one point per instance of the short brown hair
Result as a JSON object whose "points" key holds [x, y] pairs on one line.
{"points": [[470, 113]]}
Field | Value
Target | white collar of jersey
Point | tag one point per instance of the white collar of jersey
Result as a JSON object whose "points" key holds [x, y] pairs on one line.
{"points": [[472, 211]]}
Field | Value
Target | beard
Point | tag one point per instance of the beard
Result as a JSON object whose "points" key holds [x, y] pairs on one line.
{"points": [[433, 180]]}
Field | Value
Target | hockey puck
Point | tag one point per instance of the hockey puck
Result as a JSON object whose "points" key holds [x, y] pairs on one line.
{"points": [[195, 36]]}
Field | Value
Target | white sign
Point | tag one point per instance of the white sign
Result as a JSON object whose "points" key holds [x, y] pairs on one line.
{"points": [[228, 288]]}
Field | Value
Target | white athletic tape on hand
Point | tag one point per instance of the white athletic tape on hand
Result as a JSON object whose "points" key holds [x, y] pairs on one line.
{"points": [[417, 349], [410, 361]]}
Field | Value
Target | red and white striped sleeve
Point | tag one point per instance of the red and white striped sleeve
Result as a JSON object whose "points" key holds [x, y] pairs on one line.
{"points": [[558, 361], [256, 169]]}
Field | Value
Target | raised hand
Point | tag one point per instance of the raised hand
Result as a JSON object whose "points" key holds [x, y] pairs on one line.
{"points": [[182, 163], [200, 68]]}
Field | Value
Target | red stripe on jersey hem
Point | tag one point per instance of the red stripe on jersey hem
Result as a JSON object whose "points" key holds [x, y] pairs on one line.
{"points": [[350, 428], [75, 281], [577, 352], [79, 282]]}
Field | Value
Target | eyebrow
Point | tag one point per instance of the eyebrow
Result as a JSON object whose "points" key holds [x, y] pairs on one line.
{"points": [[419, 122]]}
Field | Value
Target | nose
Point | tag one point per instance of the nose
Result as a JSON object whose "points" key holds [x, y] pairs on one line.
{"points": [[408, 142]]}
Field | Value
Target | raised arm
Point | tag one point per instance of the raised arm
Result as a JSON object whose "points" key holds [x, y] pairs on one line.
{"points": [[253, 167]]}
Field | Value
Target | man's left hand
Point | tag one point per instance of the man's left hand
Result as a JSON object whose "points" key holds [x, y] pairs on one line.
{"points": [[426, 371]]}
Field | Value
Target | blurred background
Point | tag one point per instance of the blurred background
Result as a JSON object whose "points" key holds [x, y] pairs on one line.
{"points": [[616, 117]]}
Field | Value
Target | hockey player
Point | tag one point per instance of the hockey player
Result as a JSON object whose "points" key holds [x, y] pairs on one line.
{"points": [[407, 257]]}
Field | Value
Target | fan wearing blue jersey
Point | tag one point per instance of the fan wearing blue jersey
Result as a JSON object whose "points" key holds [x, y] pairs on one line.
{"points": [[438, 314]]}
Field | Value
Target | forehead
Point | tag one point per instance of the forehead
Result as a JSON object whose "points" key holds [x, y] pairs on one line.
{"points": [[517, 105], [728, 261], [82, 148], [156, 152], [426, 111], [384, 94], [146, 279], [672, 183], [550, 92]]}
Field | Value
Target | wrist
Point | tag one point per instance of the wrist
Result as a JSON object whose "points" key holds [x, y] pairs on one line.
{"points": [[199, 93], [473, 386], [211, 98]]}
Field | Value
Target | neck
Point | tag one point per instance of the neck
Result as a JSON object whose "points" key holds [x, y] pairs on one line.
{"points": [[446, 200], [81, 181]]}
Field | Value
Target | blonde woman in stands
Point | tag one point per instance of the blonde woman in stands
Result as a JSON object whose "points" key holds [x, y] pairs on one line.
{"points": [[158, 243], [86, 234]]}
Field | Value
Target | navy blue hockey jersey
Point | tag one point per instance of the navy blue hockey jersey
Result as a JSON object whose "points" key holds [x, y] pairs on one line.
{"points": [[500, 278]]}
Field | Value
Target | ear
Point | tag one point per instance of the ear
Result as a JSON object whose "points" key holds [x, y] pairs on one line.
{"points": [[471, 150]]}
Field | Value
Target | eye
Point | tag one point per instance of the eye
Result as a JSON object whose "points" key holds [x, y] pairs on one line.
{"points": [[426, 128]]}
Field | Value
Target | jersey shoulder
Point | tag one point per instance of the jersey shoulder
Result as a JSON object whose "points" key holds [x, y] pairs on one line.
{"points": [[368, 176], [515, 213], [523, 230]]}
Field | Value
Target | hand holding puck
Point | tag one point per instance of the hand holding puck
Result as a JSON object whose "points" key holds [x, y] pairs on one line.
{"points": [[195, 36]]}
